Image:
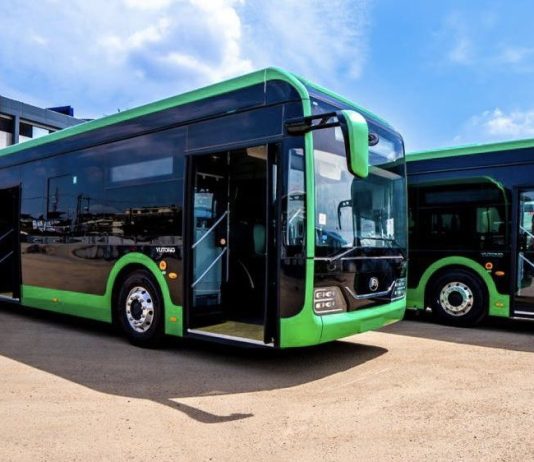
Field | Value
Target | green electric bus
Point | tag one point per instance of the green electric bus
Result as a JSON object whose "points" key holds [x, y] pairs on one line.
{"points": [[471, 231], [264, 209]]}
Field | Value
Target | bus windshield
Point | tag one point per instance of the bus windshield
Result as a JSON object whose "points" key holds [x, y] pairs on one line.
{"points": [[353, 212]]}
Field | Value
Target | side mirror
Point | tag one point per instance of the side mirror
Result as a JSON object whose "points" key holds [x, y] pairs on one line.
{"points": [[356, 136]]}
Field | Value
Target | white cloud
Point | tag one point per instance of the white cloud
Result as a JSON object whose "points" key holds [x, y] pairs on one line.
{"points": [[118, 46], [148, 4], [498, 125], [473, 40], [514, 55], [103, 55], [515, 124], [518, 56], [199, 39], [456, 37], [106, 55], [323, 40], [462, 51], [38, 39]]}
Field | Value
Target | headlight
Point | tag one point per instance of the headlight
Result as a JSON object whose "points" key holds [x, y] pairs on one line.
{"points": [[400, 288], [328, 300]]}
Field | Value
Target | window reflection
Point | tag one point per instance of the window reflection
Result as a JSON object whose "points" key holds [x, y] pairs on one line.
{"points": [[81, 204], [140, 170], [295, 205]]}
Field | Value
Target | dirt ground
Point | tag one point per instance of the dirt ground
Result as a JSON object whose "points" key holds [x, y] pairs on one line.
{"points": [[75, 390]]}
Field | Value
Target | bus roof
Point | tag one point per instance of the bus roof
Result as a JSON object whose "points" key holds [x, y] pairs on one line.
{"points": [[346, 101], [469, 150], [261, 76], [216, 89]]}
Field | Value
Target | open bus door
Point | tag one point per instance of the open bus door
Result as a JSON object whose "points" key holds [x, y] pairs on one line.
{"points": [[523, 305], [229, 241]]}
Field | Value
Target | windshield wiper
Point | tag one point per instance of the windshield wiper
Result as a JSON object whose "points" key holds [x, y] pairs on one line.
{"points": [[342, 254]]}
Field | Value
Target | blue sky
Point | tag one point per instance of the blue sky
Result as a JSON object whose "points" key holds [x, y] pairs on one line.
{"points": [[443, 73]]}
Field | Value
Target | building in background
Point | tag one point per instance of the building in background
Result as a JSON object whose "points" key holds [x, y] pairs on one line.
{"points": [[21, 122]]}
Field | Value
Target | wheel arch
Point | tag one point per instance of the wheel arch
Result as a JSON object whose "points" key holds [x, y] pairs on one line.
{"points": [[119, 278], [429, 286], [138, 261], [498, 304]]}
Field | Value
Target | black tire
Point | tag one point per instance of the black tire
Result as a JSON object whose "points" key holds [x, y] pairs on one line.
{"points": [[458, 298], [140, 309]]}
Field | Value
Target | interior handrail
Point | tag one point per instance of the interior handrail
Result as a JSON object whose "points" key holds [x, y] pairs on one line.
{"points": [[526, 231], [210, 230], [215, 260], [295, 215], [6, 257], [526, 259], [11, 230]]}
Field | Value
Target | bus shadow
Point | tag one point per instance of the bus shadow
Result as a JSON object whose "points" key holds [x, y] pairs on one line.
{"points": [[509, 334], [93, 355]]}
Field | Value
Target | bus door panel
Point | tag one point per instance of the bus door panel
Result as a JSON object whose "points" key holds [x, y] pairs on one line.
{"points": [[9, 243], [210, 222], [272, 237], [524, 290]]}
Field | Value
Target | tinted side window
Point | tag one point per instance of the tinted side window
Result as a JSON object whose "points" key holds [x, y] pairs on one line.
{"points": [[34, 178], [143, 170], [144, 186], [63, 208], [124, 192], [294, 205], [468, 216], [143, 214]]}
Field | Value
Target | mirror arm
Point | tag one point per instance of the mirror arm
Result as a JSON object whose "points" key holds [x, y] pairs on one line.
{"points": [[301, 125], [355, 134]]}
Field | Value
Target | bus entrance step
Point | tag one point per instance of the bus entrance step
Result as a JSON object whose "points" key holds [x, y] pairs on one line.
{"points": [[523, 313]]}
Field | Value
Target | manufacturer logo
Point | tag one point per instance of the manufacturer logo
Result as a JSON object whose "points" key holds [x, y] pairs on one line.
{"points": [[373, 284], [165, 250]]}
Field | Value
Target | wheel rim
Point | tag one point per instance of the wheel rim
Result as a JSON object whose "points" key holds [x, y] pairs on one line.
{"points": [[139, 309], [456, 298]]}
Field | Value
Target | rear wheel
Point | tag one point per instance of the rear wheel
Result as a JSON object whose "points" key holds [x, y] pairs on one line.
{"points": [[140, 309], [458, 298]]}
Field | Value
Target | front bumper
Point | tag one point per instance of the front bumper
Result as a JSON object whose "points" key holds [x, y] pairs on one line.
{"points": [[341, 325]]}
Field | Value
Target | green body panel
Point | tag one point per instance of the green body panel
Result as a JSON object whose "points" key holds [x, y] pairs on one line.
{"points": [[192, 96], [305, 327], [335, 326], [344, 324], [470, 150], [416, 297], [61, 301], [98, 307]]}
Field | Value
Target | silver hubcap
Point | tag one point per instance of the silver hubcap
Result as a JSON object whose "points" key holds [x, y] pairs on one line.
{"points": [[456, 298], [139, 309]]}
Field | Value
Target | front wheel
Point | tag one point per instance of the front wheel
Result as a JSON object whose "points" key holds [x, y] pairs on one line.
{"points": [[458, 298], [140, 309]]}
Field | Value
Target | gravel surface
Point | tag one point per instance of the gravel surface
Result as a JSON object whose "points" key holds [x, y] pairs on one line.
{"points": [[74, 390]]}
